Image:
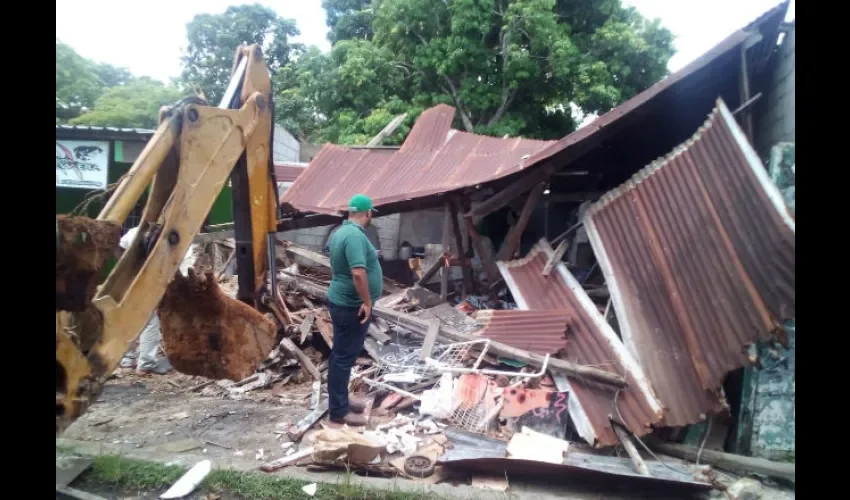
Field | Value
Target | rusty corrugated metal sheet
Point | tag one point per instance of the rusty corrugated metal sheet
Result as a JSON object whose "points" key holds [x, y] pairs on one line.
{"points": [[602, 126], [591, 341], [430, 162], [288, 172], [698, 252], [541, 332]]}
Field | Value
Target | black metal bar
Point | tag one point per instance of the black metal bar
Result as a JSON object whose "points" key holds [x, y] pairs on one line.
{"points": [[242, 232]]}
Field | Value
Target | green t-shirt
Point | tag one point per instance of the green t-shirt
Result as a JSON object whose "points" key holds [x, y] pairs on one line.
{"points": [[350, 248]]}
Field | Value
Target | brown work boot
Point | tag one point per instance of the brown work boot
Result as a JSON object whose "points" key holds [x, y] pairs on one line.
{"points": [[356, 405], [351, 419]]}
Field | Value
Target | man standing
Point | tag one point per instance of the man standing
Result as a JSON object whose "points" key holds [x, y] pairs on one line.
{"points": [[148, 362], [356, 283]]}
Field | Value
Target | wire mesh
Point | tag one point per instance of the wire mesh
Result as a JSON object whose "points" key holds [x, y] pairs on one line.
{"points": [[476, 399], [406, 360]]}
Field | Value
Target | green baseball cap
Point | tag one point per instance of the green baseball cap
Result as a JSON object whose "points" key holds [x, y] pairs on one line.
{"points": [[360, 203]]}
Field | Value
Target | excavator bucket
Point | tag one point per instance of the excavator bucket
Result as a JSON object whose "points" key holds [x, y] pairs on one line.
{"points": [[83, 246], [182, 169], [207, 333]]}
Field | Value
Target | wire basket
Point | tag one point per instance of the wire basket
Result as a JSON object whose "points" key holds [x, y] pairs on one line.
{"points": [[409, 362]]}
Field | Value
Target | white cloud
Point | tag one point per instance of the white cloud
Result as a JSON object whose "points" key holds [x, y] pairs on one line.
{"points": [[149, 37]]}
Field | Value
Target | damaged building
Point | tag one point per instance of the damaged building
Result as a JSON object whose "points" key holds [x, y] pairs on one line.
{"points": [[594, 305]]}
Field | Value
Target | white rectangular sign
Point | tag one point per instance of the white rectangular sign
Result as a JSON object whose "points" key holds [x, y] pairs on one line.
{"points": [[82, 164]]}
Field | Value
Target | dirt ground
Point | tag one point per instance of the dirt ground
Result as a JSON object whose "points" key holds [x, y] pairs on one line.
{"points": [[157, 412], [156, 417]]}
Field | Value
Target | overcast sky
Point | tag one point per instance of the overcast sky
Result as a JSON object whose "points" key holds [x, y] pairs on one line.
{"points": [[148, 37]]}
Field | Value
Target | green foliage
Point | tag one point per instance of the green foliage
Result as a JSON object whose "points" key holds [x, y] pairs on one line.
{"points": [[213, 39], [133, 105], [508, 66], [349, 19], [133, 477], [79, 82]]}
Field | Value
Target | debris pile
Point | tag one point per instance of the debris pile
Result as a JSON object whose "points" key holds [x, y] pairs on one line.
{"points": [[440, 379]]}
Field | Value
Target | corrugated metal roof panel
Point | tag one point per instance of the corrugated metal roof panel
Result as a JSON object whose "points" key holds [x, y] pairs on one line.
{"points": [[541, 332], [436, 159], [288, 171], [591, 341], [431, 161], [142, 131], [698, 251]]}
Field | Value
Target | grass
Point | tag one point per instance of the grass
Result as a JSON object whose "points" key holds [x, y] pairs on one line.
{"points": [[128, 475]]}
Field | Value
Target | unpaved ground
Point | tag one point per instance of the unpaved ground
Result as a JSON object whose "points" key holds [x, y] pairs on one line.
{"points": [[157, 413], [155, 418]]}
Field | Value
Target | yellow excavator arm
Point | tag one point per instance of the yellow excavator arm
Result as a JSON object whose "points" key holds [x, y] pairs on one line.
{"points": [[194, 152]]}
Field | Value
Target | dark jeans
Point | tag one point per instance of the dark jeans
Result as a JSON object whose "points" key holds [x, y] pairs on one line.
{"points": [[349, 335]]}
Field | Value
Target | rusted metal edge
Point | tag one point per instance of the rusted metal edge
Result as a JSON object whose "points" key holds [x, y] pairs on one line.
{"points": [[627, 360]]}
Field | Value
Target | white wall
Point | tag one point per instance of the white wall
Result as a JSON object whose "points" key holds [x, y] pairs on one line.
{"points": [[285, 147], [777, 123]]}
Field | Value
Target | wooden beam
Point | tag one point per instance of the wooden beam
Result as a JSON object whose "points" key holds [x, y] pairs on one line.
{"points": [[445, 270], [631, 450], [730, 461], [556, 257], [513, 238], [566, 233], [387, 131], [747, 104], [436, 266], [514, 190], [459, 248], [430, 339], [420, 327], [308, 222], [486, 259], [744, 92]]}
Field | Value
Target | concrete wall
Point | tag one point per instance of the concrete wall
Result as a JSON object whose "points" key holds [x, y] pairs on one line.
{"points": [[285, 146], [312, 238], [776, 120]]}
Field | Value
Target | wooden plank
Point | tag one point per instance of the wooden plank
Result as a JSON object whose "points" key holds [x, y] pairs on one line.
{"points": [[387, 131], [444, 271], [324, 261], [376, 333], [326, 329], [309, 421], [730, 461], [306, 327], [287, 460], [631, 450], [459, 250], [566, 233], [436, 266], [420, 327], [515, 189], [430, 339], [556, 258], [515, 233], [486, 259]]}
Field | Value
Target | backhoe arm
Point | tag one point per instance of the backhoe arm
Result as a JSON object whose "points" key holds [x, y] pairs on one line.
{"points": [[187, 162]]}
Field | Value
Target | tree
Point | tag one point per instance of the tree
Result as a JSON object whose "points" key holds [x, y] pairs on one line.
{"points": [[508, 66], [132, 105], [348, 19], [513, 66], [80, 81], [345, 95], [213, 39]]}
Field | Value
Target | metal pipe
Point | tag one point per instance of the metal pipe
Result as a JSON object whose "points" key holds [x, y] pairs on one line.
{"points": [[382, 385], [448, 369]]}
